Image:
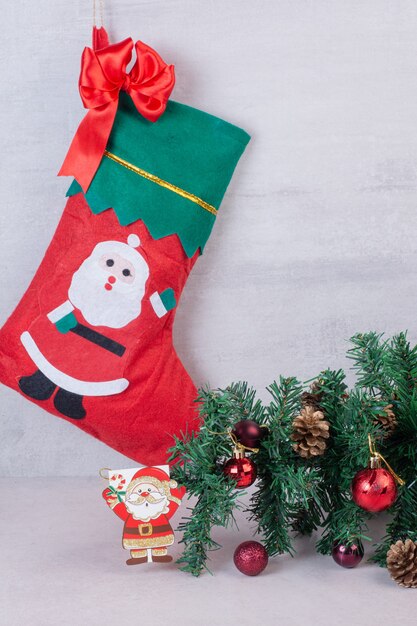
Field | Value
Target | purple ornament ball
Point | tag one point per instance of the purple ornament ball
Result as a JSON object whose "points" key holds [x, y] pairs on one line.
{"points": [[249, 433], [349, 555]]}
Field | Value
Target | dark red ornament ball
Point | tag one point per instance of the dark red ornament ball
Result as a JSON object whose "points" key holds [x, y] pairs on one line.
{"points": [[249, 433], [349, 555], [250, 558], [243, 471], [374, 489]]}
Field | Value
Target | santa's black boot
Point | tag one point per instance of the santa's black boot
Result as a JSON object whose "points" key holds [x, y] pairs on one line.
{"points": [[69, 404], [166, 558], [37, 386]]}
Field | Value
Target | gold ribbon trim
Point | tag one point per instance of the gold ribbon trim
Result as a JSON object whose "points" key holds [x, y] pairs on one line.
{"points": [[162, 183]]}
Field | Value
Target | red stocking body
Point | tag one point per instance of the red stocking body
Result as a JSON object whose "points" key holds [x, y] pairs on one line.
{"points": [[158, 400]]}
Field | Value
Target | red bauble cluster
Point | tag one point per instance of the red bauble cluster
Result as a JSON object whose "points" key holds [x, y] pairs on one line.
{"points": [[245, 434], [250, 558], [349, 555], [374, 489], [249, 433], [241, 469]]}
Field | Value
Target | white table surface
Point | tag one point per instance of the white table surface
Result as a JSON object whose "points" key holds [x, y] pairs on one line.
{"points": [[62, 564]]}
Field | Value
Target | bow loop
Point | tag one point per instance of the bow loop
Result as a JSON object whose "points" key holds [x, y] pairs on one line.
{"points": [[148, 72], [149, 66], [103, 75], [114, 60], [152, 81], [94, 89]]}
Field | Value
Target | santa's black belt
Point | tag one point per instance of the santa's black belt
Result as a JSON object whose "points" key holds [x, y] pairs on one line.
{"points": [[100, 340], [147, 529]]}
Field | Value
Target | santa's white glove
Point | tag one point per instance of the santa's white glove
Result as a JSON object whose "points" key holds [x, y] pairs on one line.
{"points": [[163, 302], [65, 324]]}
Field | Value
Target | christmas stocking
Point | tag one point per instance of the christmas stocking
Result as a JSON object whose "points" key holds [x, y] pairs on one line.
{"points": [[91, 339]]}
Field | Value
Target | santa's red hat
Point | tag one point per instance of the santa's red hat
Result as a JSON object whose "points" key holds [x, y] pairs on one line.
{"points": [[157, 477]]}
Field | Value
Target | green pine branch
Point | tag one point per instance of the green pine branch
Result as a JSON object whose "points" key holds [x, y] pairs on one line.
{"points": [[400, 449], [368, 353], [403, 523], [198, 466], [351, 420], [269, 503]]}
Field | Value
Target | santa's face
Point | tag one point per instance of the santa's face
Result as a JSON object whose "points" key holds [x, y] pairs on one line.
{"points": [[146, 502], [117, 268], [109, 285]]}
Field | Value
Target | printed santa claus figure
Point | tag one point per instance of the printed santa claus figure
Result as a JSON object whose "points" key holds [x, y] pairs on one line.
{"points": [[151, 500], [78, 347]]}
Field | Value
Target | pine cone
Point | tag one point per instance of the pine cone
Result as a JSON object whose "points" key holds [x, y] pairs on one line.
{"points": [[310, 432], [311, 399], [316, 387], [387, 420], [402, 563]]}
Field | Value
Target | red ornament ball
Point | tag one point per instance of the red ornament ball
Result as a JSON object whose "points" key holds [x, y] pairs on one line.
{"points": [[374, 489], [349, 555], [249, 433], [242, 470], [250, 558]]}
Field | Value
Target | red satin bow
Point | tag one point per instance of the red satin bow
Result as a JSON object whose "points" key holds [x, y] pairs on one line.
{"points": [[103, 74]]}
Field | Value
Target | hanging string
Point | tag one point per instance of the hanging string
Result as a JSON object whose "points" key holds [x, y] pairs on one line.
{"points": [[236, 443], [100, 10], [375, 454], [100, 38]]}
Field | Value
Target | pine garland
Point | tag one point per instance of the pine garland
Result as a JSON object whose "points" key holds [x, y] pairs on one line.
{"points": [[305, 494]]}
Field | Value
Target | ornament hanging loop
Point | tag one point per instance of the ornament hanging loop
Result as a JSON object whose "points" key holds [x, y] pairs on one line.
{"points": [[376, 458], [238, 448], [104, 469], [371, 446], [238, 453], [374, 462]]}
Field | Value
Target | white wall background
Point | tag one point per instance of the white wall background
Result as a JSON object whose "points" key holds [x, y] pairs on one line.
{"points": [[316, 238]]}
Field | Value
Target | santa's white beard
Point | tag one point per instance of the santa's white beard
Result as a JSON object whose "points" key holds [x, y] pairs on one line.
{"points": [[114, 308], [146, 510]]}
